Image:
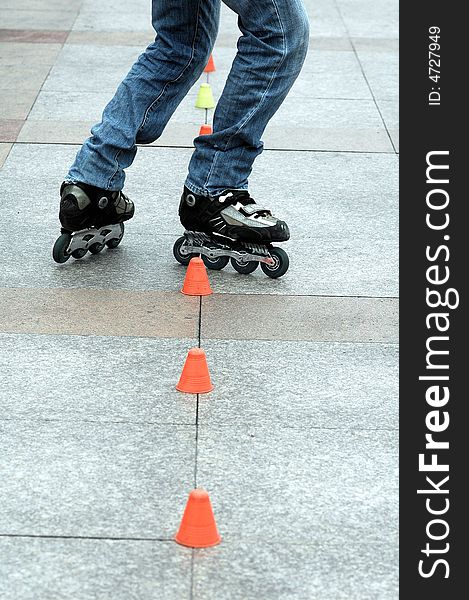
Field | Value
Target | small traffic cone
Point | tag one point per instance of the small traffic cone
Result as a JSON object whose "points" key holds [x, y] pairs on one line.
{"points": [[210, 68], [205, 97], [205, 130], [195, 377], [198, 528], [196, 282]]}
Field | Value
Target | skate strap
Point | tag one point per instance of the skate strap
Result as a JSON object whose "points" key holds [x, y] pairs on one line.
{"points": [[252, 209]]}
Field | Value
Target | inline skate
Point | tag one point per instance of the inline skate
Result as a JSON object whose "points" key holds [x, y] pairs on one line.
{"points": [[231, 226], [91, 219]]}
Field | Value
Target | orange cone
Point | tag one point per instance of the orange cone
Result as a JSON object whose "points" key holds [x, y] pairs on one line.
{"points": [[205, 130], [210, 68], [198, 528], [195, 377], [196, 282]]}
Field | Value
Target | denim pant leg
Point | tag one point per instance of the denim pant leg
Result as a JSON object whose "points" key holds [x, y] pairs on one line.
{"points": [[151, 92], [270, 55]]}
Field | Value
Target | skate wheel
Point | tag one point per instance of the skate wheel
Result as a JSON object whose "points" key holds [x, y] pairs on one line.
{"points": [[59, 251], [96, 248], [183, 259], [79, 253], [280, 266], [116, 241], [215, 264], [244, 267]]}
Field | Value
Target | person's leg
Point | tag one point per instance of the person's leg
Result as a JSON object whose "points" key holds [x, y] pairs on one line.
{"points": [[148, 96], [270, 55]]}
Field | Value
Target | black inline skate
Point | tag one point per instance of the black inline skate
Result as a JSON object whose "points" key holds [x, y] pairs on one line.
{"points": [[91, 218], [231, 226]]}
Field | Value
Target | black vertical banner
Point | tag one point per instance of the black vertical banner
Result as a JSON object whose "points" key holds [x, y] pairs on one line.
{"points": [[434, 203]]}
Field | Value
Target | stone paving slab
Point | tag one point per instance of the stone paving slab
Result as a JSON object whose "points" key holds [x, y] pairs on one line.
{"points": [[326, 74], [55, 132], [325, 139], [29, 77], [367, 18], [17, 105], [53, 20], [330, 74], [88, 479], [300, 384], [55, 569], [320, 124], [322, 318], [103, 39], [227, 38], [96, 17], [92, 378], [9, 129], [4, 151], [347, 226], [172, 315], [314, 123], [104, 312], [82, 68], [182, 134], [17, 53], [33, 36], [331, 113], [147, 263], [372, 44], [325, 18], [48, 5], [337, 76], [335, 568], [359, 204], [70, 105], [347, 478]]}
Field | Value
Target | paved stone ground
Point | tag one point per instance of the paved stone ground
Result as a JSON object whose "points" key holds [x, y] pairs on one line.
{"points": [[297, 444]]}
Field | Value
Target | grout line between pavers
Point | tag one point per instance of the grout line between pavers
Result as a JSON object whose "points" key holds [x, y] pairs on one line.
{"points": [[85, 537], [200, 324], [212, 338], [197, 400], [79, 419], [191, 589], [213, 424], [230, 539], [215, 294], [181, 147]]}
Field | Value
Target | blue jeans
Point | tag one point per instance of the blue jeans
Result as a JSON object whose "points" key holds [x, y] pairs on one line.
{"points": [[270, 55]]}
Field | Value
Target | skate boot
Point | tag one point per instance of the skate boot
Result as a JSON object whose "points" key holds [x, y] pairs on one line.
{"points": [[231, 225], [91, 218]]}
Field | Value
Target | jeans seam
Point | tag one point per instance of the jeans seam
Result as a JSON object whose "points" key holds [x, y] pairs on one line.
{"points": [[256, 108], [116, 157], [165, 87]]}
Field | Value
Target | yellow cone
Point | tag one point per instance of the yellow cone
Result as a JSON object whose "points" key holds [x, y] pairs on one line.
{"points": [[205, 97]]}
